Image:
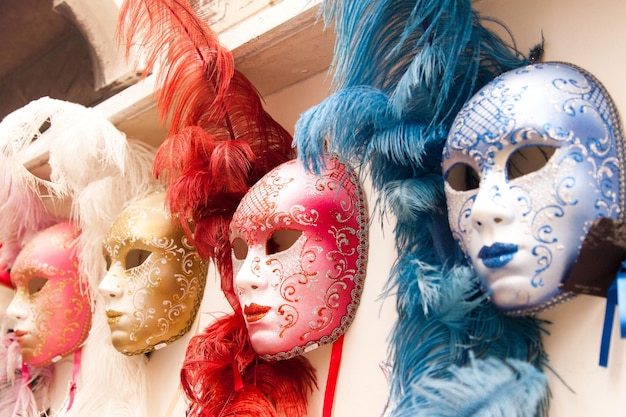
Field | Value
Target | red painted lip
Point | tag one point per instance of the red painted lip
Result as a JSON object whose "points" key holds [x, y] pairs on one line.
{"points": [[255, 312], [19, 333]]}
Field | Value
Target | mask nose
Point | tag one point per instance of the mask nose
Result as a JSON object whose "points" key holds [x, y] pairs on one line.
{"points": [[491, 208], [111, 285], [249, 277], [17, 310]]}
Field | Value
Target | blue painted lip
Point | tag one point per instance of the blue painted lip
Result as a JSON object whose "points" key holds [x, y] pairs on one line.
{"points": [[498, 254]]}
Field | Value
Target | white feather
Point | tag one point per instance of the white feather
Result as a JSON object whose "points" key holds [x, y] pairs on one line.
{"points": [[95, 167]]}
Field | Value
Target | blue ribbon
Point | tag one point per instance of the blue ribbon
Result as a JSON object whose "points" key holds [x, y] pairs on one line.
{"points": [[615, 297], [621, 297]]}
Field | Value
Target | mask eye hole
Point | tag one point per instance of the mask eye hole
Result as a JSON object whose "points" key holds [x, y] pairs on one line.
{"points": [[44, 126], [240, 249], [136, 257], [527, 160], [107, 259], [462, 177], [281, 240], [36, 284]]}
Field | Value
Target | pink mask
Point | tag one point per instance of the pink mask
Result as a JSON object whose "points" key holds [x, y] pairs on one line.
{"points": [[51, 308], [299, 257]]}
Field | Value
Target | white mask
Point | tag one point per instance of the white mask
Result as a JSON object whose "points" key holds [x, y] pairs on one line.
{"points": [[530, 162]]}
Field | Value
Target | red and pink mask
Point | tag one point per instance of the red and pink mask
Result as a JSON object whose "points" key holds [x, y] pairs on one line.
{"points": [[51, 307], [299, 257]]}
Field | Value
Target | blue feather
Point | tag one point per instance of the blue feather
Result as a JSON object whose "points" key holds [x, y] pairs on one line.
{"points": [[402, 70], [414, 197], [404, 143], [361, 109], [366, 35], [497, 389]]}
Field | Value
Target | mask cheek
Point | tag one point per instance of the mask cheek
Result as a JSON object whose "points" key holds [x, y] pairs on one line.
{"points": [[237, 267], [459, 216]]}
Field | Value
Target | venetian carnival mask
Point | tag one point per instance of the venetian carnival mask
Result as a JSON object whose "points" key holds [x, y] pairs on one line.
{"points": [[530, 162], [155, 279], [51, 308], [299, 257]]}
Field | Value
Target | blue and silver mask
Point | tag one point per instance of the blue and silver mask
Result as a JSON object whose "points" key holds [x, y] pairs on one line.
{"points": [[530, 162]]}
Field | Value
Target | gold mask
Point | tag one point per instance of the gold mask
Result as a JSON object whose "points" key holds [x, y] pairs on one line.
{"points": [[155, 279]]}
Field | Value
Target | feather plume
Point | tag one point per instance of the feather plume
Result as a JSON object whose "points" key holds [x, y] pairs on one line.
{"points": [[497, 388], [91, 189], [18, 396], [27, 202], [363, 105], [419, 61], [6, 259], [110, 171], [195, 75], [220, 142], [435, 55], [217, 122], [268, 389]]}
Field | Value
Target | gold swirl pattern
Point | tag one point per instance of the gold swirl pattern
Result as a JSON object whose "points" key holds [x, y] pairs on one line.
{"points": [[155, 279]]}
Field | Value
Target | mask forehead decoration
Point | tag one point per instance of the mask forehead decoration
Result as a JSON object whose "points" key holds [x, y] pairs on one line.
{"points": [[530, 162], [51, 308], [299, 257], [155, 279]]}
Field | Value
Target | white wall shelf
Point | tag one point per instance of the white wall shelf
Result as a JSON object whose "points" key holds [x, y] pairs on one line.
{"points": [[276, 47]]}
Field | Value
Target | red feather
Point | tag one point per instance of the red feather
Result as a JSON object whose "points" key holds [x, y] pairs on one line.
{"points": [[270, 389], [5, 277], [196, 70], [5, 259], [220, 142]]}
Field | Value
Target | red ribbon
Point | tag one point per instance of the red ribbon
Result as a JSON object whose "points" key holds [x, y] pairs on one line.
{"points": [[333, 373], [75, 371], [237, 377], [25, 374]]}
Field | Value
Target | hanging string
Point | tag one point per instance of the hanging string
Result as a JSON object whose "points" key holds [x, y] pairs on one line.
{"points": [[616, 297], [75, 372], [333, 373]]}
